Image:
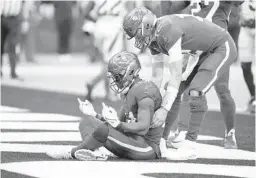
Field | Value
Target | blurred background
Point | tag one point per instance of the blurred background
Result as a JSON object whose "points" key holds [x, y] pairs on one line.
{"points": [[64, 46]]}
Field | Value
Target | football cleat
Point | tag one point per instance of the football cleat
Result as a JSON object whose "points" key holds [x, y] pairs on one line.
{"points": [[88, 155], [230, 140], [60, 154], [163, 147], [105, 151], [251, 106], [180, 154], [177, 141]]}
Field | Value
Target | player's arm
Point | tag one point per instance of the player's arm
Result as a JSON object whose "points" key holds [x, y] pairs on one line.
{"points": [[144, 116], [157, 69], [192, 61], [121, 114], [175, 67]]}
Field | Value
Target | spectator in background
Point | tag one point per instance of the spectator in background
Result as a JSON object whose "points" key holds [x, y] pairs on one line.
{"points": [[234, 25], [28, 32], [247, 48], [64, 22], [11, 22]]}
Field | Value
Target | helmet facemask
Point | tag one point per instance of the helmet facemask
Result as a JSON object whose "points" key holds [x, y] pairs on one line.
{"points": [[121, 82], [141, 41]]}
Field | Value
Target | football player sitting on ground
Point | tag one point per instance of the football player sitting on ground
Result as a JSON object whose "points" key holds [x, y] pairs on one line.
{"points": [[128, 135], [211, 51]]}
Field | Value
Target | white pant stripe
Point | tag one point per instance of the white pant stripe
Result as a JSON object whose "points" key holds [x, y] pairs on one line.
{"points": [[218, 68], [144, 150]]}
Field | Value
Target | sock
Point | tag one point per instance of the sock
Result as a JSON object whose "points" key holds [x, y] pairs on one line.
{"points": [[228, 109], [198, 108], [171, 117]]}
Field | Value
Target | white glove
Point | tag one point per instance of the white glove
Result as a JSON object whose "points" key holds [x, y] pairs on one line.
{"points": [[110, 115], [86, 108]]}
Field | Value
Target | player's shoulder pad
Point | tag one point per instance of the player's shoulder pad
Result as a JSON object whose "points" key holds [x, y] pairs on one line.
{"points": [[146, 89], [162, 33], [163, 25]]}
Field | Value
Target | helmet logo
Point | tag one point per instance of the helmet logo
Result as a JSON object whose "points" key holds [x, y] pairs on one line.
{"points": [[135, 18]]}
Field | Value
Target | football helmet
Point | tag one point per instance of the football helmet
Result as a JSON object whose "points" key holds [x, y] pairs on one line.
{"points": [[140, 24], [123, 68]]}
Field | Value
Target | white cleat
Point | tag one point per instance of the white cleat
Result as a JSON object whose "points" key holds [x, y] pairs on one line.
{"points": [[177, 141], [180, 154], [163, 147], [230, 140], [105, 151], [60, 154], [88, 155]]}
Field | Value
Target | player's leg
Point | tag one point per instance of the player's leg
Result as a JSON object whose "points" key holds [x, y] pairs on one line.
{"points": [[99, 36], [234, 31], [247, 56], [92, 139], [87, 126], [210, 70], [228, 109], [4, 33], [174, 112], [13, 41], [114, 43], [90, 86], [130, 146]]}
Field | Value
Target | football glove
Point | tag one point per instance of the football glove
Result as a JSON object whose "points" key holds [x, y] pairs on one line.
{"points": [[86, 108], [110, 115]]}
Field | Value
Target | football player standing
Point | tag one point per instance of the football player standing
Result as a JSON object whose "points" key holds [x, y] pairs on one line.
{"points": [[247, 48], [104, 19], [217, 12], [128, 135], [211, 50]]}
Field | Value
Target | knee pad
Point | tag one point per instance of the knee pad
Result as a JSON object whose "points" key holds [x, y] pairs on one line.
{"points": [[195, 93], [197, 101], [101, 133]]}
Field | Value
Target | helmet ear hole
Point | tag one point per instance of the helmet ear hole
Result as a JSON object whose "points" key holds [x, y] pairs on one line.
{"points": [[148, 24], [131, 72]]}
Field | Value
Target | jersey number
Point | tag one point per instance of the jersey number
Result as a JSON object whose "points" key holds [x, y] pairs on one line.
{"points": [[109, 8], [197, 7]]}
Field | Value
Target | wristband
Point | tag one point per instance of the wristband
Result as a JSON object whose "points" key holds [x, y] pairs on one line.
{"points": [[100, 117], [169, 97]]}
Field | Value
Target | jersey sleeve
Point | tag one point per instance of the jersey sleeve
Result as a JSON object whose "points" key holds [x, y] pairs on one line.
{"points": [[146, 90], [167, 36]]}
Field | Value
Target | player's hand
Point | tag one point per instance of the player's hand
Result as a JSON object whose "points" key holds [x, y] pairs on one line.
{"points": [[86, 108], [110, 115], [159, 117]]}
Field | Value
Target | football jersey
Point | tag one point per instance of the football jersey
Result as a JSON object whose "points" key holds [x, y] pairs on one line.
{"points": [[214, 10], [198, 34], [104, 7], [144, 89]]}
